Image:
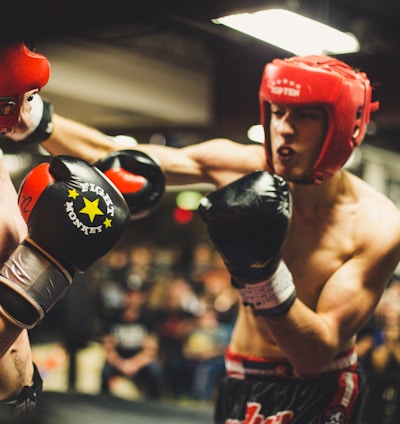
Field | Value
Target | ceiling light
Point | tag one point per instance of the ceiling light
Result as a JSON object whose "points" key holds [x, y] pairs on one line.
{"points": [[292, 32]]}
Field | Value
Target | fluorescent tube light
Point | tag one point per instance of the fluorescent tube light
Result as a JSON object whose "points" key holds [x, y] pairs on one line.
{"points": [[292, 32]]}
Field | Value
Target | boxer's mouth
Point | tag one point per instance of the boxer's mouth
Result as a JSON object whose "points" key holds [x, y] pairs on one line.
{"points": [[285, 153]]}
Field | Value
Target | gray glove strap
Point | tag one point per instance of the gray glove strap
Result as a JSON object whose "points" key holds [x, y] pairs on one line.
{"points": [[36, 280]]}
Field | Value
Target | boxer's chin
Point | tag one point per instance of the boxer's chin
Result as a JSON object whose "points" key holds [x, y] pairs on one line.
{"points": [[292, 176]]}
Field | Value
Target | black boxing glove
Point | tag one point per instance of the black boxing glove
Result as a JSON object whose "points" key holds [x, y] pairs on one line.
{"points": [[138, 177], [41, 122], [248, 221], [75, 215]]}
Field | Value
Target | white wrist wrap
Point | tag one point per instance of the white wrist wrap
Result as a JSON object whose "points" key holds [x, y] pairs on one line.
{"points": [[271, 295]]}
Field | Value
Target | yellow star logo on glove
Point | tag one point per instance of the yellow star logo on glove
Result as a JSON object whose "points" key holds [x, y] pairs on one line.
{"points": [[107, 222], [91, 208], [73, 193]]}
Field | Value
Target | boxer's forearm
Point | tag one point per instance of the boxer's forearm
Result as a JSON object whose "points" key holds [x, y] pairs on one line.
{"points": [[73, 138], [70, 137]]}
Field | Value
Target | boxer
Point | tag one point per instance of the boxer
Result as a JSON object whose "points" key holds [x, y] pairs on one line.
{"points": [[66, 215]]}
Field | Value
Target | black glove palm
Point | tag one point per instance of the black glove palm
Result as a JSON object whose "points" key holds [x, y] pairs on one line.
{"points": [[248, 222]]}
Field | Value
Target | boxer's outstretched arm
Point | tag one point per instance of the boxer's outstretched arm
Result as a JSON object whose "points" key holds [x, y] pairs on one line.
{"points": [[73, 138], [70, 137], [217, 161]]}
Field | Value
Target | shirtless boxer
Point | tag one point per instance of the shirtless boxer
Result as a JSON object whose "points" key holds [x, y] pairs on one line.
{"points": [[45, 235], [292, 359]]}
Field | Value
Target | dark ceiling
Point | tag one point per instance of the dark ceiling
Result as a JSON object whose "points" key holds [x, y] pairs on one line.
{"points": [[223, 65]]}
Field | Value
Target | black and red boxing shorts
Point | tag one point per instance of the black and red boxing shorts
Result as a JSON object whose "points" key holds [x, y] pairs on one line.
{"points": [[265, 391]]}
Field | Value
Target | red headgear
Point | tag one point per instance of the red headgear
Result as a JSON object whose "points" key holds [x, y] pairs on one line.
{"points": [[325, 82], [21, 70]]}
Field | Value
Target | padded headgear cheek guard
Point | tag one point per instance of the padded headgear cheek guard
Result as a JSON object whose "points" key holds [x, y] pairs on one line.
{"points": [[21, 70], [320, 81]]}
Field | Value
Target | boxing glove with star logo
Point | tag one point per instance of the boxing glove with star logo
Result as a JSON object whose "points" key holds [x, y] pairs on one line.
{"points": [[75, 215]]}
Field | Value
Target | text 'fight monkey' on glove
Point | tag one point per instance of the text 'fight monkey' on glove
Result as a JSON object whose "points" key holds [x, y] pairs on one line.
{"points": [[248, 222]]}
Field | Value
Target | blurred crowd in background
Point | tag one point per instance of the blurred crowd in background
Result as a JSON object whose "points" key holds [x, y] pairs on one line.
{"points": [[379, 351], [164, 315]]}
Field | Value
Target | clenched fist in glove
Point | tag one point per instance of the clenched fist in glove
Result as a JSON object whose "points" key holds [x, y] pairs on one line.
{"points": [[138, 177], [248, 221], [75, 215]]}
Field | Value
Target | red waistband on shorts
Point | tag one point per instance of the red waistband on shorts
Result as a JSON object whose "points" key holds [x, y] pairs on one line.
{"points": [[244, 366]]}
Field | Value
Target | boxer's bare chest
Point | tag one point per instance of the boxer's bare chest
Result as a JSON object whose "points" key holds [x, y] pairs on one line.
{"points": [[318, 244]]}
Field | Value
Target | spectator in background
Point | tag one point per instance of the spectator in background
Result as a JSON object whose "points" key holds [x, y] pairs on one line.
{"points": [[204, 350], [367, 338], [141, 258], [205, 345], [112, 276], [383, 361], [220, 295], [168, 260], [201, 261], [132, 347], [174, 306]]}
